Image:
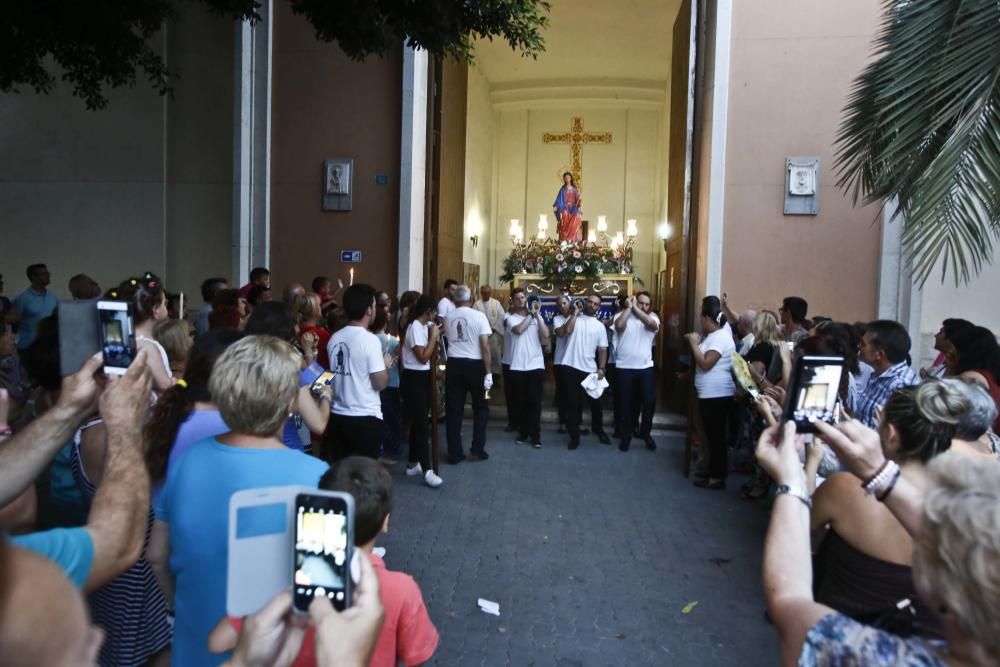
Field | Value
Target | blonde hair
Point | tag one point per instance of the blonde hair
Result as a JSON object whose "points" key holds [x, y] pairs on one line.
{"points": [[308, 306], [957, 550], [253, 384], [765, 328], [175, 337]]}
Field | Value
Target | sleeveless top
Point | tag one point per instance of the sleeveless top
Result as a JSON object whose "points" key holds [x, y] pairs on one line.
{"points": [[130, 608], [863, 587], [159, 348]]}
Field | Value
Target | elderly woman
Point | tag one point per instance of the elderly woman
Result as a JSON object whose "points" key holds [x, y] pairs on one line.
{"points": [[974, 434], [956, 527], [254, 385]]}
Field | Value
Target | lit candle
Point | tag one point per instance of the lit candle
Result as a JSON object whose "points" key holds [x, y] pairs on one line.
{"points": [[602, 223], [352, 275], [630, 228], [591, 236]]}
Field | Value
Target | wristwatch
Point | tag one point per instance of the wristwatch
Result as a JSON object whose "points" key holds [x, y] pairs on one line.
{"points": [[797, 493]]}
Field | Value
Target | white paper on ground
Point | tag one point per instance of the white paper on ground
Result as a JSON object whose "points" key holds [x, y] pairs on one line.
{"points": [[489, 606]]}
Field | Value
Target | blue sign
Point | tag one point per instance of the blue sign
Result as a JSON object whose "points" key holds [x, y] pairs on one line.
{"points": [[381, 179], [350, 256]]}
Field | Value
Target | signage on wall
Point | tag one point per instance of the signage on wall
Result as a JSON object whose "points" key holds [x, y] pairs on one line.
{"points": [[381, 179], [350, 256]]}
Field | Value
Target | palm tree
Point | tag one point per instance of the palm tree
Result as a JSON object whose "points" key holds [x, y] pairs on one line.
{"points": [[922, 124]]}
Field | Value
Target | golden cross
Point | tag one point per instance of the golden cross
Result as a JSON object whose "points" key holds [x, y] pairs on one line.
{"points": [[576, 137]]}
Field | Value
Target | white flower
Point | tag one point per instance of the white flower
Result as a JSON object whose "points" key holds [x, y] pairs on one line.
{"points": [[578, 268]]}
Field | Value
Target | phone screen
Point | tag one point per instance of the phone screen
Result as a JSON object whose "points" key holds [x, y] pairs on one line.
{"points": [[117, 336], [323, 550], [324, 380], [815, 392]]}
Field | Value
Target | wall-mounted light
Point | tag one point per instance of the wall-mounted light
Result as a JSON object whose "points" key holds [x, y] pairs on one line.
{"points": [[663, 231], [602, 223], [474, 239], [630, 228]]}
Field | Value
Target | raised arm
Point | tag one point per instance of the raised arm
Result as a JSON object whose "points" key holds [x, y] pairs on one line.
{"points": [[24, 456], [567, 328], [484, 348], [731, 317], [118, 512]]}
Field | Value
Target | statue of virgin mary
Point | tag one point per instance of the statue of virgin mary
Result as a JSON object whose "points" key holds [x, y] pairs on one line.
{"points": [[567, 210]]}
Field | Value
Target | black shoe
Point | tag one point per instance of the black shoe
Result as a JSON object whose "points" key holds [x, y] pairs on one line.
{"points": [[603, 437], [624, 444], [455, 462], [573, 444], [705, 483], [650, 443], [522, 440], [509, 428], [536, 444], [478, 456]]}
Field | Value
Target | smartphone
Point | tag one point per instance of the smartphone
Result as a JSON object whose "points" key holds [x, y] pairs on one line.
{"points": [[79, 334], [324, 546], [814, 392], [320, 383], [117, 336]]}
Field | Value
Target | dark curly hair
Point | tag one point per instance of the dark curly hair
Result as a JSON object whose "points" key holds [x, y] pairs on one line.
{"points": [[144, 292]]}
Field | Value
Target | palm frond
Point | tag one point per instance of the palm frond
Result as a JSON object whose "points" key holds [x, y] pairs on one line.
{"points": [[922, 124]]}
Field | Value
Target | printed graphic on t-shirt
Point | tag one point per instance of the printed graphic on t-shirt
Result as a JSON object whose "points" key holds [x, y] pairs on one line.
{"points": [[461, 330], [340, 359]]}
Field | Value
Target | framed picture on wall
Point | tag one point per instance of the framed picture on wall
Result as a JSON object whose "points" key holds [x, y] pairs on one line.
{"points": [[337, 175]]}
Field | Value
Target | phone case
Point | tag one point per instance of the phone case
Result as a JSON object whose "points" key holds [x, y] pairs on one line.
{"points": [[79, 334]]}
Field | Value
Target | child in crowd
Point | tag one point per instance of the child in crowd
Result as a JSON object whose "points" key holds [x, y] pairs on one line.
{"points": [[407, 635]]}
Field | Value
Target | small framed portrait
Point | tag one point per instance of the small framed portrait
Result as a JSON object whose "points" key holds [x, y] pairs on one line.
{"points": [[337, 176]]}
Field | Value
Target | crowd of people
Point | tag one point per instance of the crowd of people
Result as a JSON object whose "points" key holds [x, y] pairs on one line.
{"points": [[885, 529], [114, 490]]}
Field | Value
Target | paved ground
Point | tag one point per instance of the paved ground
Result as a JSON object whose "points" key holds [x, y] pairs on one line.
{"points": [[592, 555]]}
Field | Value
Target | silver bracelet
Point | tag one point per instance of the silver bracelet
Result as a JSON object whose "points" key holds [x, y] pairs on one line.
{"points": [[794, 492], [879, 482]]}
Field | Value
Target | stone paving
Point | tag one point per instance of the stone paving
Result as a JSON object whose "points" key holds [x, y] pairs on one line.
{"points": [[592, 555]]}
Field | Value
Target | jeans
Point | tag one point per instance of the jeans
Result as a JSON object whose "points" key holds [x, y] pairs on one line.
{"points": [[351, 436], [636, 391], [416, 389], [574, 396], [465, 376], [715, 420], [526, 387]]}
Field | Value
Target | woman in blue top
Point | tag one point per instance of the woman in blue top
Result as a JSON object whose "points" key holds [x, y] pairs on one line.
{"points": [[255, 385]]}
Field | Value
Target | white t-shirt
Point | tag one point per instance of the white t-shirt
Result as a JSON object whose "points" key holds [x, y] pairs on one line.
{"points": [[559, 349], [463, 327], [634, 346], [355, 353], [581, 345], [717, 382], [416, 336], [526, 348], [445, 306]]}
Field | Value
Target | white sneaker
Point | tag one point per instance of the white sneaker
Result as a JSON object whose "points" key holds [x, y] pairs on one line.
{"points": [[415, 471], [432, 480]]}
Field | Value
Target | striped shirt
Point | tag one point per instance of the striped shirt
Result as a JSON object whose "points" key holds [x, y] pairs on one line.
{"points": [[879, 389]]}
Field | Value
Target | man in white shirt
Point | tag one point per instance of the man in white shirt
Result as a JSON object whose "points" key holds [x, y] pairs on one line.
{"points": [[468, 371], [635, 334], [586, 353], [527, 332], [493, 311], [360, 373], [447, 302]]}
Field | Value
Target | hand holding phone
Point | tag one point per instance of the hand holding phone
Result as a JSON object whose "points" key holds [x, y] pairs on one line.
{"points": [[321, 385], [814, 392], [117, 336]]}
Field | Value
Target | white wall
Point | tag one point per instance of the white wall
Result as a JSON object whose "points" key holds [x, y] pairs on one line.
{"points": [[619, 179], [479, 138], [144, 184]]}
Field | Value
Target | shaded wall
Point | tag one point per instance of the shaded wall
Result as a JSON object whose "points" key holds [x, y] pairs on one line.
{"points": [[792, 65], [144, 184], [326, 106]]}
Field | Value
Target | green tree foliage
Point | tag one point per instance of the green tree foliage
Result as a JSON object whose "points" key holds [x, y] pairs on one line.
{"points": [[103, 44], [922, 125]]}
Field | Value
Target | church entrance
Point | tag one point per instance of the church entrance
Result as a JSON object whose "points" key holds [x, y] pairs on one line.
{"points": [[590, 143]]}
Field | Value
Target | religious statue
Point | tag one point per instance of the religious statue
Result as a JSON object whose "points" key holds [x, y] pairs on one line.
{"points": [[567, 209]]}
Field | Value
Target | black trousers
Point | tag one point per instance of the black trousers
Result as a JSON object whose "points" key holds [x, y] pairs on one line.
{"points": [[527, 391], [560, 397], [352, 436], [574, 396], [465, 376], [508, 396], [636, 391], [415, 387], [715, 414]]}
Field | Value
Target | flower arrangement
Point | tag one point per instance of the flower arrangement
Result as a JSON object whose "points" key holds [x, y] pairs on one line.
{"points": [[561, 262]]}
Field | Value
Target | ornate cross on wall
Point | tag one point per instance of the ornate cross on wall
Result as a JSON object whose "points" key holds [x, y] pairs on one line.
{"points": [[576, 138]]}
